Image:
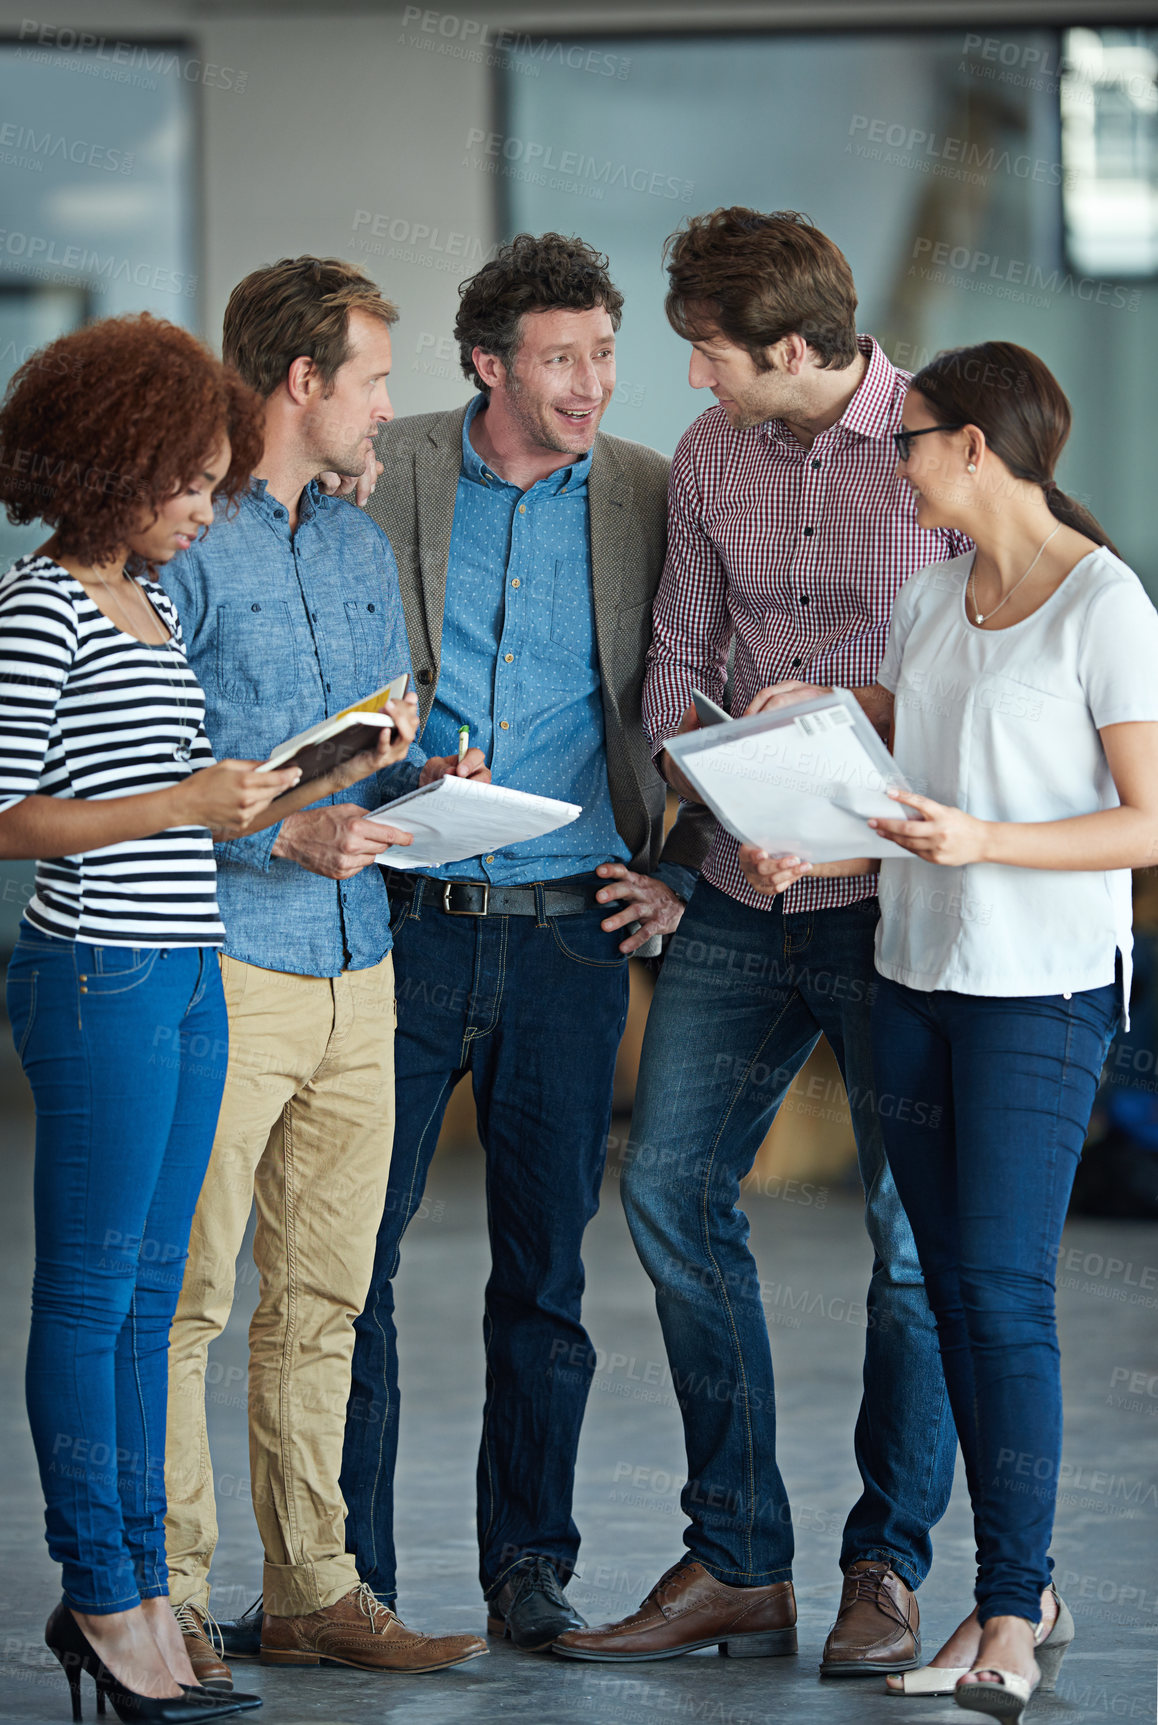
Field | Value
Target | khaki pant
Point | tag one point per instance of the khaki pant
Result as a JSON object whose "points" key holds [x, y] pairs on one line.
{"points": [[306, 1126]]}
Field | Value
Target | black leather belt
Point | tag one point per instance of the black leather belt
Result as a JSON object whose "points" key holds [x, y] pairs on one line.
{"points": [[566, 897]]}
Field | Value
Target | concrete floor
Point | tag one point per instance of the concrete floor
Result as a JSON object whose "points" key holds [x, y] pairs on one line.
{"points": [[630, 1470]]}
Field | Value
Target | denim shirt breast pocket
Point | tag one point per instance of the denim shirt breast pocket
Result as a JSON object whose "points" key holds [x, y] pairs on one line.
{"points": [[572, 610], [367, 625], [567, 649], [257, 654]]}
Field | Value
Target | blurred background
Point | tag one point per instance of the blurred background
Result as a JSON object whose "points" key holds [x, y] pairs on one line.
{"points": [[993, 176]]}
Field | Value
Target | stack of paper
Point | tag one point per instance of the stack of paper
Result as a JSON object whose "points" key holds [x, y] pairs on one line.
{"points": [[454, 818], [799, 781]]}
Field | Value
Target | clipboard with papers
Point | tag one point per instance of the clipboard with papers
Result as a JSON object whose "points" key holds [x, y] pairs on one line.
{"points": [[453, 819], [801, 780]]}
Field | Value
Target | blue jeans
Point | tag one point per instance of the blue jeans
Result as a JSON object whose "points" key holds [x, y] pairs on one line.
{"points": [[125, 1049], [533, 1008], [742, 999], [1001, 1092]]}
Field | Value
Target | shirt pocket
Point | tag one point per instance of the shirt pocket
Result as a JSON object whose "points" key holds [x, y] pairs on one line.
{"points": [[572, 612], [257, 655], [367, 626], [562, 636]]}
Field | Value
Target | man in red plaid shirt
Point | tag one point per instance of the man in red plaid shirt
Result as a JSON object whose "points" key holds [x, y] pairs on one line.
{"points": [[789, 536]]}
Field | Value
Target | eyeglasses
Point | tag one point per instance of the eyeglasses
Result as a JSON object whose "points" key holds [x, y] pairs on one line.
{"points": [[903, 439]]}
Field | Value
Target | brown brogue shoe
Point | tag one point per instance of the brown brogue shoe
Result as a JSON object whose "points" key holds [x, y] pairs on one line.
{"points": [[877, 1627], [203, 1645], [687, 1608], [359, 1630]]}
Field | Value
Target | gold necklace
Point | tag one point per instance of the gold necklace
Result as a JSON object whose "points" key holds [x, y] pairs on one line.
{"points": [[977, 617]]}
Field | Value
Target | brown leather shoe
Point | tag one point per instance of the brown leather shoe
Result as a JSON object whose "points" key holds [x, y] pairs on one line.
{"points": [[359, 1630], [877, 1627], [203, 1645], [687, 1608]]}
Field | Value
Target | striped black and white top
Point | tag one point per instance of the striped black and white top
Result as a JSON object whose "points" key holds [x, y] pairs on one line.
{"points": [[88, 711]]}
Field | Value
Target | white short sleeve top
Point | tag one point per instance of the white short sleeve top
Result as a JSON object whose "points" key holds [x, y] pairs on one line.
{"points": [[1004, 724]]}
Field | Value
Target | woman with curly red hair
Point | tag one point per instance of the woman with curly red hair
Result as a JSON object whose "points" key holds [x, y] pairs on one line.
{"points": [[119, 437]]}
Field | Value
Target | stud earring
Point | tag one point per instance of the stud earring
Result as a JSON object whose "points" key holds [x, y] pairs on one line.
{"points": [[972, 467]]}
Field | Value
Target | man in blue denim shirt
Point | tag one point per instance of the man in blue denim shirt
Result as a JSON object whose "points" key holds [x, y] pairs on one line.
{"points": [[529, 546], [291, 612]]}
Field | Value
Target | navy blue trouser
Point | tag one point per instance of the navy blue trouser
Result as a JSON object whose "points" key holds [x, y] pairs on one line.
{"points": [[743, 998], [533, 1008], [1009, 1085]]}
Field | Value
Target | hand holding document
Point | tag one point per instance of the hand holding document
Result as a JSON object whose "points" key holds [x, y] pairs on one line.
{"points": [[340, 751], [801, 780], [454, 818], [323, 748]]}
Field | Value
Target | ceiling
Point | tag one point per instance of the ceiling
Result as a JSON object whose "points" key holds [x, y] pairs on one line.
{"points": [[621, 16]]}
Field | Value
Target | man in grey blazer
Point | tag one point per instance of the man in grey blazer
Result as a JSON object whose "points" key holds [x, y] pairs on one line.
{"points": [[529, 545]]}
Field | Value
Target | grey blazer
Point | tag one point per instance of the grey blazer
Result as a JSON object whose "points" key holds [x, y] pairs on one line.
{"points": [[413, 503]]}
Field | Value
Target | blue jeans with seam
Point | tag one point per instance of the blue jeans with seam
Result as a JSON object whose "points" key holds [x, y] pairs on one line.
{"points": [[742, 999], [533, 1008], [125, 1049], [1003, 1089]]}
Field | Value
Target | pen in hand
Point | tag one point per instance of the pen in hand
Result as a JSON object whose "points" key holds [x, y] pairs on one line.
{"points": [[466, 763]]}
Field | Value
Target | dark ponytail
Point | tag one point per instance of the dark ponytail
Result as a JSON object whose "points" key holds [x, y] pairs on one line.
{"points": [[1073, 514], [1010, 395]]}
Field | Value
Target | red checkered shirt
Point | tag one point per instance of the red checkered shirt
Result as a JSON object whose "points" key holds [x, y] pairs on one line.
{"points": [[795, 554]]}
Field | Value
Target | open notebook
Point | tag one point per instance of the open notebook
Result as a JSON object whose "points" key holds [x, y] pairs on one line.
{"points": [[455, 818]]}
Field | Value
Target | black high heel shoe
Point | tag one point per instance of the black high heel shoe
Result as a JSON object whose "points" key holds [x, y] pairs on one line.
{"points": [[64, 1637], [237, 1698]]}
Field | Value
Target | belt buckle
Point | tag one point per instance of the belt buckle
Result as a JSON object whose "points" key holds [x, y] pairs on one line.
{"points": [[486, 892]]}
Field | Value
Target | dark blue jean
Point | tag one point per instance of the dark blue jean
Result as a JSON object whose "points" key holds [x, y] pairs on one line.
{"points": [[1001, 1092], [125, 1049], [534, 1009], [743, 997]]}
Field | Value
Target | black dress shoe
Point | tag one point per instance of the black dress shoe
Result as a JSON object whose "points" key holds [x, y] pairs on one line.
{"points": [[241, 1636], [531, 1608]]}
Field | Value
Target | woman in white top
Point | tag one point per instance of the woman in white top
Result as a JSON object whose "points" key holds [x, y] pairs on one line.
{"points": [[1026, 716]]}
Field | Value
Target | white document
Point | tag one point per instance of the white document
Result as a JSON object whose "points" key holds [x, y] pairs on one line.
{"points": [[801, 781], [454, 818]]}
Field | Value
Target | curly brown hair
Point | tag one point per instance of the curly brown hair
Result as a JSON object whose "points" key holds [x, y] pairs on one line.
{"points": [[544, 272], [107, 422], [757, 278]]}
